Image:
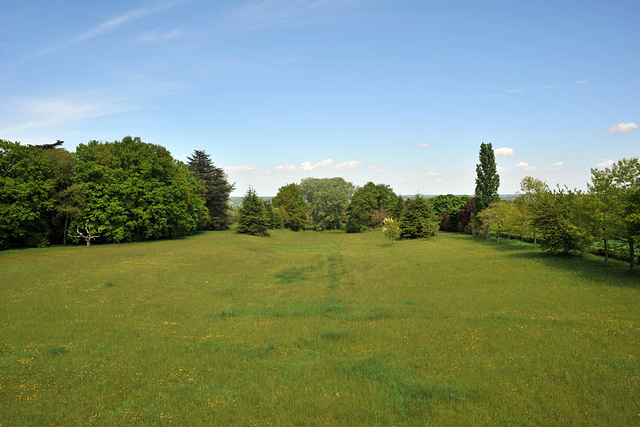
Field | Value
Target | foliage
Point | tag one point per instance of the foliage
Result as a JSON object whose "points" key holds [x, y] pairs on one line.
{"points": [[217, 189], [487, 179], [252, 216], [557, 218], [363, 205], [465, 215], [615, 204], [397, 207], [369, 206], [26, 197], [532, 189], [135, 191], [447, 207], [418, 219], [495, 217], [291, 206], [327, 200], [274, 217], [68, 196], [391, 229]]}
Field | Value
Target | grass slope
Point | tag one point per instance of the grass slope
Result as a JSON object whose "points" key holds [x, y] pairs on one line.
{"points": [[316, 329]]}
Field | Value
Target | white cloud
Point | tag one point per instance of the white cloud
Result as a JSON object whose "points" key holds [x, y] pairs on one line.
{"points": [[501, 169], [525, 166], [514, 90], [581, 82], [353, 164], [424, 145], [504, 152], [623, 127], [604, 163], [555, 166], [306, 166]]}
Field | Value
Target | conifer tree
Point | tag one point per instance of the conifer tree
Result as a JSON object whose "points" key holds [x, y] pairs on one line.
{"points": [[487, 180], [252, 217], [418, 219], [217, 189]]}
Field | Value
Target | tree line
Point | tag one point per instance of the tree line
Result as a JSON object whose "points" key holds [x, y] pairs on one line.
{"points": [[130, 190], [119, 191]]}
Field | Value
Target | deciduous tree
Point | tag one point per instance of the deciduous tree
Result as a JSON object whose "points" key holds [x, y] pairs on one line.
{"points": [[327, 200], [135, 191], [291, 205], [26, 195]]}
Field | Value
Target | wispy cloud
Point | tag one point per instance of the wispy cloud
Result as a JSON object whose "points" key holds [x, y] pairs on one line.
{"points": [[424, 145], [262, 14], [157, 36], [581, 82], [623, 127], [505, 152], [101, 29], [39, 114]]}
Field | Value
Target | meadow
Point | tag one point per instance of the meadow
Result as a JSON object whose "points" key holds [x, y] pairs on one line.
{"points": [[316, 329]]}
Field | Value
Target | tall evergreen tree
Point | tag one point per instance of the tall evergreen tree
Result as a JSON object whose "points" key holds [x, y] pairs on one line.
{"points": [[418, 219], [487, 180], [217, 189], [252, 217]]}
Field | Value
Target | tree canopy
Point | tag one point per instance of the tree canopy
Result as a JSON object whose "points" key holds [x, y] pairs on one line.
{"points": [[291, 205], [133, 190], [327, 200]]}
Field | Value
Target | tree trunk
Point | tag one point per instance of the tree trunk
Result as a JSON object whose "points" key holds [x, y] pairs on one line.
{"points": [[606, 252], [632, 255], [64, 231], [535, 239]]}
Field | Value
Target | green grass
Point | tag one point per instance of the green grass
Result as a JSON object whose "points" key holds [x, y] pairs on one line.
{"points": [[316, 329]]}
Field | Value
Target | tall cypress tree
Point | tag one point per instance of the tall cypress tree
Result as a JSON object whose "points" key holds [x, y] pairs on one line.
{"points": [[487, 180], [217, 189]]}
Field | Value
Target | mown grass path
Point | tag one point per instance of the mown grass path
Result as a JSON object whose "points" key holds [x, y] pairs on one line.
{"points": [[316, 329]]}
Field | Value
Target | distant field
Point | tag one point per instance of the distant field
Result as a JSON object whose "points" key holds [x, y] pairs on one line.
{"points": [[316, 329]]}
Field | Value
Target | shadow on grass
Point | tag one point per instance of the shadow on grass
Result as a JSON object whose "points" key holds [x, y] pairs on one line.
{"points": [[589, 266]]}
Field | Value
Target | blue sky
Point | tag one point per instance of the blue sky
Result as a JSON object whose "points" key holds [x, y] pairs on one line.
{"points": [[395, 92]]}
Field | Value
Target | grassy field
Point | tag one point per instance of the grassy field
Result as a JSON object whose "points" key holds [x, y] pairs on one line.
{"points": [[316, 329]]}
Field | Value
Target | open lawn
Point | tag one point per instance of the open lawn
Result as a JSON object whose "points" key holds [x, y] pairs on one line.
{"points": [[316, 329]]}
